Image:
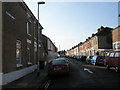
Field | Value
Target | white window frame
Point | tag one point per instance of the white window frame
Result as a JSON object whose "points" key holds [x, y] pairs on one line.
{"points": [[18, 47], [28, 27], [116, 45], [35, 30], [29, 51]]}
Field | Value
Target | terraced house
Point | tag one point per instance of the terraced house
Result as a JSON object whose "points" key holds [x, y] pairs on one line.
{"points": [[116, 38], [20, 34], [49, 48], [100, 42]]}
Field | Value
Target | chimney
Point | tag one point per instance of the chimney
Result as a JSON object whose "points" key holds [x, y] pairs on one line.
{"points": [[89, 38], [93, 35], [102, 28], [98, 30]]}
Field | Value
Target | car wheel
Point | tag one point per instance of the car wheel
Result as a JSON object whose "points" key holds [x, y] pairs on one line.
{"points": [[108, 67], [93, 64], [117, 69], [96, 64]]}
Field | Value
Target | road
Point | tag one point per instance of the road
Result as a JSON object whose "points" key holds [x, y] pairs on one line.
{"points": [[85, 76]]}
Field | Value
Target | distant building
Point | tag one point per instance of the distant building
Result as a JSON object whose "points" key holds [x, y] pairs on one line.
{"points": [[98, 43], [62, 53], [49, 48], [104, 40]]}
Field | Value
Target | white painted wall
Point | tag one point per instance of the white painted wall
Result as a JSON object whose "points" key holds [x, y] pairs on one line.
{"points": [[9, 77], [0, 79]]}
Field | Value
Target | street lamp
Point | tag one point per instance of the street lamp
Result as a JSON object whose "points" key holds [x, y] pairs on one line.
{"points": [[38, 40]]}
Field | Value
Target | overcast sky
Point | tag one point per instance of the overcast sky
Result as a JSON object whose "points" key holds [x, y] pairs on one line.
{"points": [[68, 23]]}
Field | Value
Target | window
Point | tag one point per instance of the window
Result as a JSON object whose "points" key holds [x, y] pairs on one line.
{"points": [[115, 46], [118, 45], [35, 46], [18, 53], [35, 51], [29, 51], [28, 27], [117, 54], [35, 31], [108, 54], [111, 54]]}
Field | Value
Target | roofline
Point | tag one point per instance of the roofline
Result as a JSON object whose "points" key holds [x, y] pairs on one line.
{"points": [[117, 27], [27, 8]]}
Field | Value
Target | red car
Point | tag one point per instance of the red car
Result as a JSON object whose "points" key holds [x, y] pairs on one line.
{"points": [[113, 60], [58, 66]]}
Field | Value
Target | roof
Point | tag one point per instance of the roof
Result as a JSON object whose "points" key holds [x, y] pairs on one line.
{"points": [[117, 27], [104, 30], [30, 12]]}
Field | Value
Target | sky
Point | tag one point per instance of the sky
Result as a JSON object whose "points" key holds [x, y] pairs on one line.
{"points": [[69, 23]]}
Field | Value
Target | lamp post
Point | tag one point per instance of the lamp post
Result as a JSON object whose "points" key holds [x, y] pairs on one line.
{"points": [[38, 40]]}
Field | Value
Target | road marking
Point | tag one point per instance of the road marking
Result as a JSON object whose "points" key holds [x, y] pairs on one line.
{"points": [[86, 69], [47, 84]]}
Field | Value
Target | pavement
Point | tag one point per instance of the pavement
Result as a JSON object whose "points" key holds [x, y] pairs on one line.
{"points": [[30, 81]]}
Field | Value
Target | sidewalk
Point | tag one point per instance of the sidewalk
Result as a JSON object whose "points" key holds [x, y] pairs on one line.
{"points": [[30, 81]]}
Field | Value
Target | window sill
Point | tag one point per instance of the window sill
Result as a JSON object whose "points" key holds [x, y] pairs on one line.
{"points": [[29, 34], [35, 38], [29, 63], [19, 65]]}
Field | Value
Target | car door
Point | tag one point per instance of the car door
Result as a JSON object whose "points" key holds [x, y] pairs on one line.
{"points": [[106, 58], [94, 59], [116, 58], [119, 61], [110, 60]]}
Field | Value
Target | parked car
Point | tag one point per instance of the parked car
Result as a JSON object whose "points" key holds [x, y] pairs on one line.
{"points": [[88, 59], [78, 57], [82, 58], [113, 60], [95, 60], [58, 66]]}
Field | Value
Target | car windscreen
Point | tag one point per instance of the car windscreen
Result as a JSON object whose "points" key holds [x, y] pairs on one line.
{"points": [[100, 57]]}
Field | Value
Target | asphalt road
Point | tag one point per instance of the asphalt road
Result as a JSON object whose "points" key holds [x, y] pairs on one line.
{"points": [[85, 76]]}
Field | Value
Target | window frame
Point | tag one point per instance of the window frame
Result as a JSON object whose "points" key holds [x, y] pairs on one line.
{"points": [[29, 51], [112, 55], [117, 53], [28, 27], [18, 47]]}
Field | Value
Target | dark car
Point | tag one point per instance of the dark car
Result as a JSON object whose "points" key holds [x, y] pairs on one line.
{"points": [[97, 60], [82, 58], [88, 59], [113, 60], [58, 66]]}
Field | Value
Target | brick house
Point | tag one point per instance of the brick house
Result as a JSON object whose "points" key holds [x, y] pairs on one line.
{"points": [[100, 42], [18, 41], [50, 50], [116, 38], [104, 40]]}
